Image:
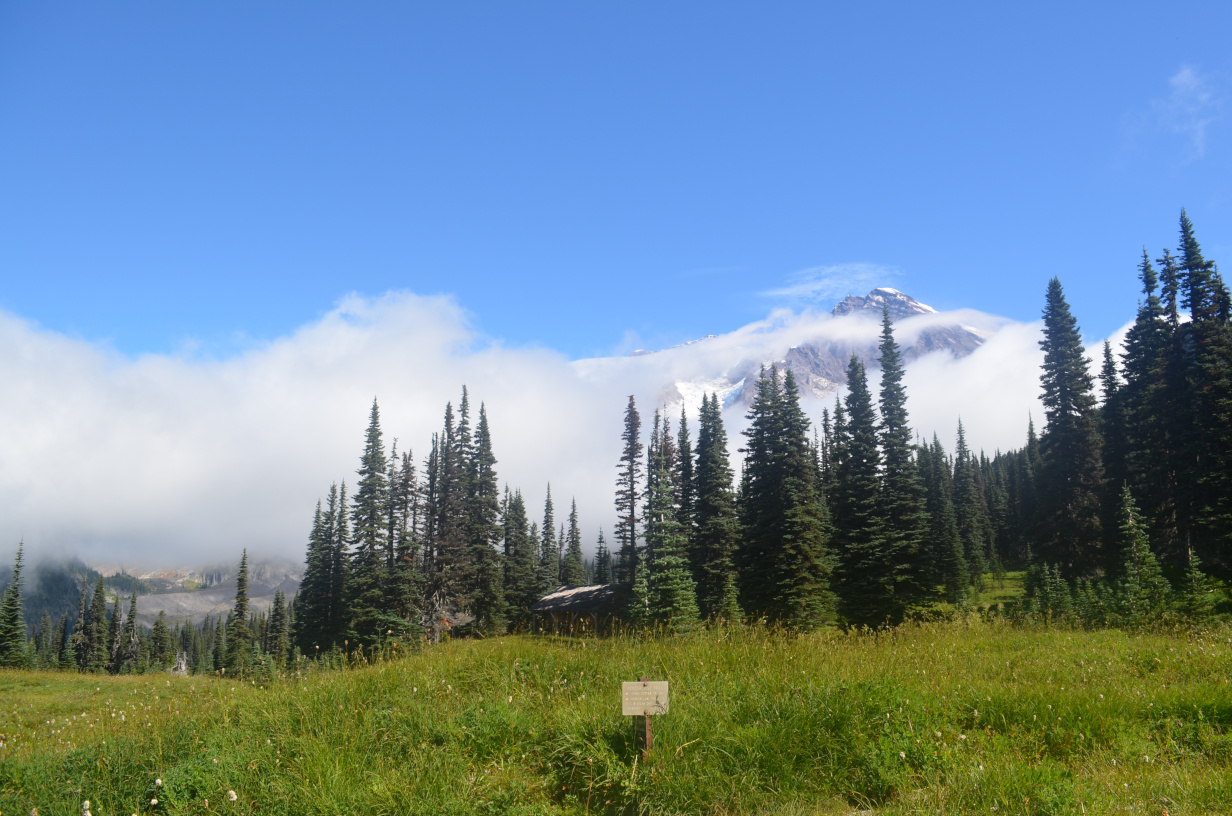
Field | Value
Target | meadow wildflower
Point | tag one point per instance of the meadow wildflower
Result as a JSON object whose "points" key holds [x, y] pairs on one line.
{"points": [[231, 795]]}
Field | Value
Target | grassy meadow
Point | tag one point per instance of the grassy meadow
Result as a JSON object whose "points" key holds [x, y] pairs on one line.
{"points": [[930, 718]]}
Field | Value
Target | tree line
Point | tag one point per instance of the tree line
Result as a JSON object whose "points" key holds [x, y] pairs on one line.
{"points": [[1118, 509], [103, 640]]}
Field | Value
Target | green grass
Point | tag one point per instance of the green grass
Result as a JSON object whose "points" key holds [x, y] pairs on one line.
{"points": [[932, 718]]}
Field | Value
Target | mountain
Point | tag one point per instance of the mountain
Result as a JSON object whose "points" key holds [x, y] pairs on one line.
{"points": [[816, 347], [898, 304]]}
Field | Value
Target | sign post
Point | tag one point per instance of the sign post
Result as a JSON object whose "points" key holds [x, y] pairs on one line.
{"points": [[644, 699]]}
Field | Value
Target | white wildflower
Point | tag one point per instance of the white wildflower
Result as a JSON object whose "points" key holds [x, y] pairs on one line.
{"points": [[231, 795], [158, 783]]}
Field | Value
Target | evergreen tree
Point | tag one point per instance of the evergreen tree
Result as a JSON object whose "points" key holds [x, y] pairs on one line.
{"points": [[220, 644], [339, 579], [313, 596], [67, 651], [129, 652], [716, 529], [113, 638], [452, 575], [948, 558], [162, 648], [1144, 397], [1142, 591], [79, 642], [1207, 343], [671, 599], [573, 573], [902, 499], [521, 579], [368, 577], [1197, 599], [865, 588], [96, 631], [277, 644], [1069, 532], [549, 550], [628, 488], [483, 527], [12, 623], [784, 564], [404, 593], [603, 561], [685, 487], [45, 640], [1112, 429], [239, 635], [969, 511]]}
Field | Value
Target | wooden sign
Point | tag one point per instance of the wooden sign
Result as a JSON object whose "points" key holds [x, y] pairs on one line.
{"points": [[643, 697]]}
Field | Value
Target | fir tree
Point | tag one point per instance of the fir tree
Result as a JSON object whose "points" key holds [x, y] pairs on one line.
{"points": [[716, 529], [113, 638], [573, 572], [521, 579], [368, 577], [129, 653], [671, 599], [902, 500], [452, 575], [162, 650], [1069, 531], [1197, 599], [628, 488], [969, 511], [685, 487], [1142, 590], [313, 596], [239, 636], [96, 631], [277, 644], [487, 599], [950, 562], [339, 579], [1112, 429], [603, 561], [865, 589], [784, 564], [12, 623], [549, 549], [79, 641]]}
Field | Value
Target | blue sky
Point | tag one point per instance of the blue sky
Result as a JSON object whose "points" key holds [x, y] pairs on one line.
{"points": [[590, 177]]}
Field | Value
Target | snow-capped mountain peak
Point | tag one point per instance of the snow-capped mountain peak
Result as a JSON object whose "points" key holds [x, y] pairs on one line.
{"points": [[900, 305]]}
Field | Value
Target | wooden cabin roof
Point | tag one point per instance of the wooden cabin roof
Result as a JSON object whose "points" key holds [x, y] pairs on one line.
{"points": [[577, 598]]}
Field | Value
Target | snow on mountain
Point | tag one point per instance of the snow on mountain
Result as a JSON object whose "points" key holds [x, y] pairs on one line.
{"points": [[898, 304], [816, 347]]}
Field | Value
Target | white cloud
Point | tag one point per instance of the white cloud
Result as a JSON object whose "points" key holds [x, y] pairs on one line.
{"points": [[175, 460], [829, 283], [1193, 104]]}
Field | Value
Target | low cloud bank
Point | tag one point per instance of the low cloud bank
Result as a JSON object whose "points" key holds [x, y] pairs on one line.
{"points": [[168, 460]]}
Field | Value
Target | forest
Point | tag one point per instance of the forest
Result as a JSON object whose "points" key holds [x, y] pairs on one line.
{"points": [[1118, 509]]}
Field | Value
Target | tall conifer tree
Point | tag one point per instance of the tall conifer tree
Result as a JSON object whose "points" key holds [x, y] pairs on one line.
{"points": [[628, 489], [865, 590], [574, 571], [239, 635], [784, 560], [1069, 532], [902, 502], [12, 624], [716, 529]]}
